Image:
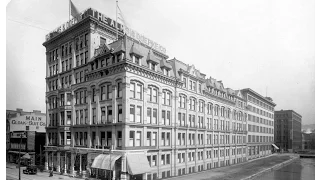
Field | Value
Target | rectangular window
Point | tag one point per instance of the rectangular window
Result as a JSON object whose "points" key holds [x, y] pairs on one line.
{"points": [[119, 113], [138, 138], [149, 115], [94, 120], [154, 116], [132, 113]]}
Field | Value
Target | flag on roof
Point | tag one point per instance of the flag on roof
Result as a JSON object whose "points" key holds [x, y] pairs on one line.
{"points": [[73, 9]]}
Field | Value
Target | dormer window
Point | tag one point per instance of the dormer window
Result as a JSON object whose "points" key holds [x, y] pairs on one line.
{"points": [[135, 59], [165, 71], [119, 58]]}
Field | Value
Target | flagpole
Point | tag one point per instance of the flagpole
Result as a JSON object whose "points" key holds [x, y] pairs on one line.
{"points": [[69, 9], [117, 19]]}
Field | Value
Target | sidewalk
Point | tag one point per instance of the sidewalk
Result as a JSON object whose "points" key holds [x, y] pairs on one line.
{"points": [[12, 173], [238, 171]]}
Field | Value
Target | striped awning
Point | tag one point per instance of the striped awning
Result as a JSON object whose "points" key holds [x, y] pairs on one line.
{"points": [[275, 146], [105, 161], [138, 164]]}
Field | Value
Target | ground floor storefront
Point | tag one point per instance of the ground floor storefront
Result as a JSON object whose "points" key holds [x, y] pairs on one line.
{"points": [[256, 151], [97, 163], [13, 157]]}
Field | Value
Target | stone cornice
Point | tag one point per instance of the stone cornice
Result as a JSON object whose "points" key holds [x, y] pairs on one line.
{"points": [[69, 34]]}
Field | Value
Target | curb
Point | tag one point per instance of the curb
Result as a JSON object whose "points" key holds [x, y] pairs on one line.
{"points": [[275, 167]]}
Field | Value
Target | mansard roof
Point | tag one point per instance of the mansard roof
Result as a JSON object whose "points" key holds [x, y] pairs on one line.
{"points": [[164, 63], [134, 50], [152, 57], [102, 49], [215, 84], [119, 46], [231, 91], [179, 67]]}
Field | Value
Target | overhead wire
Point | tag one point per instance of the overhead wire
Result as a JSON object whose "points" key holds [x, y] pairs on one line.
{"points": [[28, 25]]}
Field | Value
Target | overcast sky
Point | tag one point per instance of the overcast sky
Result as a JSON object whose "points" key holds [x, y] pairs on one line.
{"points": [[265, 45]]}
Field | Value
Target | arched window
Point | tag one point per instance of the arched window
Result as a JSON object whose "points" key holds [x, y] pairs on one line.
{"points": [[166, 97], [136, 90], [152, 94]]}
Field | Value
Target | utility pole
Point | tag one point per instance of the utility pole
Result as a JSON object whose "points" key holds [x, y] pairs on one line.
{"points": [[20, 155]]}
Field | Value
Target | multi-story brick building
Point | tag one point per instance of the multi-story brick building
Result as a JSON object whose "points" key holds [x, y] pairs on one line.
{"points": [[260, 124], [288, 130], [120, 108]]}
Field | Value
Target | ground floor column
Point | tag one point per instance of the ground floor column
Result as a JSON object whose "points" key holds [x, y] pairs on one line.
{"points": [[80, 166], [52, 160], [123, 175], [72, 164], [46, 161], [58, 162], [65, 163]]}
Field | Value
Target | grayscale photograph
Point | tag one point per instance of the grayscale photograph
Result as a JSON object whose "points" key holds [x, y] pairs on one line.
{"points": [[160, 89]]}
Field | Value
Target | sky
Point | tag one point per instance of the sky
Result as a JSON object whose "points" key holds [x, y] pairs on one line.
{"points": [[265, 45]]}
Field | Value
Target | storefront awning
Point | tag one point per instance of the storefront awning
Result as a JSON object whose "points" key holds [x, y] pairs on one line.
{"points": [[105, 161], [16, 152], [137, 164], [275, 146]]}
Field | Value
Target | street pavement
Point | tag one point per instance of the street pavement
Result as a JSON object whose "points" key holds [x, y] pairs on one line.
{"points": [[237, 171]]}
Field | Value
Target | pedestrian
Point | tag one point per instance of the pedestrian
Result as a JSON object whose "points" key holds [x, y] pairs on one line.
{"points": [[51, 173]]}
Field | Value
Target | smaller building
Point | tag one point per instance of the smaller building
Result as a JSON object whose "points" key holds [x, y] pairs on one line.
{"points": [[308, 140], [25, 133], [288, 130]]}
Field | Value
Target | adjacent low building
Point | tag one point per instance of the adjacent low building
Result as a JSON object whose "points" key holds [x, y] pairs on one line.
{"points": [[26, 134], [287, 132], [260, 124]]}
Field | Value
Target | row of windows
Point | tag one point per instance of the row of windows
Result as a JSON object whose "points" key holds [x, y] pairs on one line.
{"points": [[53, 101], [104, 62], [66, 81], [53, 138], [260, 103], [80, 77], [182, 157], [221, 94], [260, 120], [81, 59], [260, 111], [253, 138], [153, 66], [218, 111], [53, 69], [65, 118], [254, 128]]}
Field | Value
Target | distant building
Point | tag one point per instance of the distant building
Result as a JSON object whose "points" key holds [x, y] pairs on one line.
{"points": [[308, 140], [288, 130], [25, 131]]}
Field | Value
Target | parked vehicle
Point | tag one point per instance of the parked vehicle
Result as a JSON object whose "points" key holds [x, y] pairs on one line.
{"points": [[31, 169]]}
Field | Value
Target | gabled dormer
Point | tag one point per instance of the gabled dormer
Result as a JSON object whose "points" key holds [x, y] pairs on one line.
{"points": [[152, 61], [119, 52], [102, 49], [165, 67], [135, 54]]}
